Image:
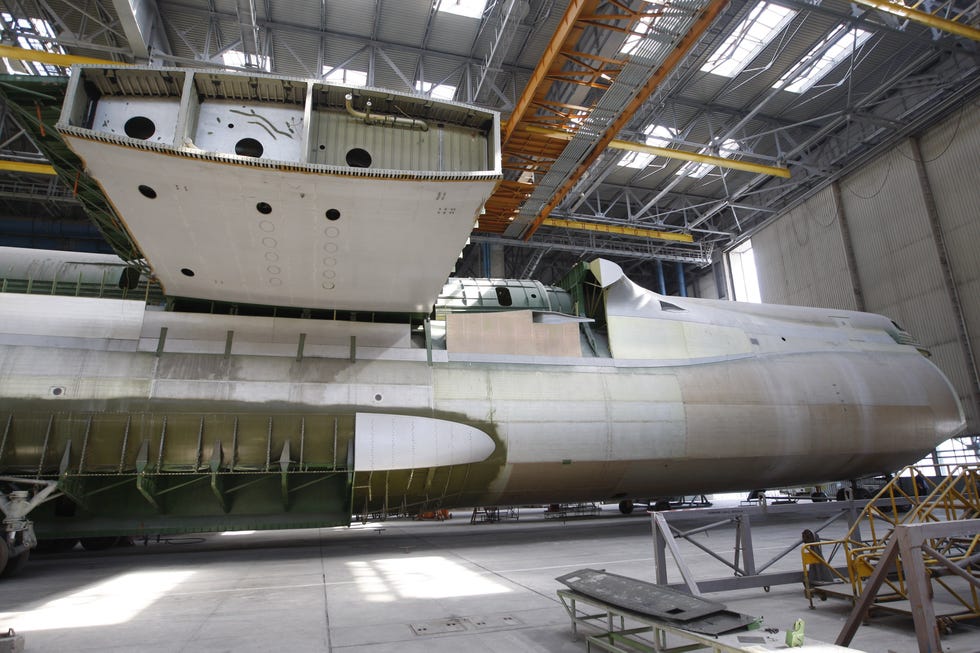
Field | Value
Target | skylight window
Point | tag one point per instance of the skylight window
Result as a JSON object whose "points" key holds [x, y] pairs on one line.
{"points": [[468, 8], [657, 136], [32, 34], [344, 76], [239, 59], [699, 170], [26, 28], [836, 47], [438, 91], [753, 34]]}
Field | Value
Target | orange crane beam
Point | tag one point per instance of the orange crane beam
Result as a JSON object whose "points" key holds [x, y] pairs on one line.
{"points": [[701, 24]]}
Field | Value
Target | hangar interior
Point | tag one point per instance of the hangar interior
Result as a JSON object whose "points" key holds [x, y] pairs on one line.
{"points": [[808, 153], [854, 128]]}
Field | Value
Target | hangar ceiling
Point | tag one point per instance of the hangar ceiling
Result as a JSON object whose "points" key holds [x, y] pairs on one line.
{"points": [[637, 130]]}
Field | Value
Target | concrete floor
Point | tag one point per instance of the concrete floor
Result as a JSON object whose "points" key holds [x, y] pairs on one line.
{"points": [[396, 586]]}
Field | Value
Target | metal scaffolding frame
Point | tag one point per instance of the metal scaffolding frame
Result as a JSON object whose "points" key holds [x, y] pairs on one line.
{"points": [[909, 559]]}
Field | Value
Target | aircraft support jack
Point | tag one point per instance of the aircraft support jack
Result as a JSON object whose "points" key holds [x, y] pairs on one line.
{"points": [[18, 531]]}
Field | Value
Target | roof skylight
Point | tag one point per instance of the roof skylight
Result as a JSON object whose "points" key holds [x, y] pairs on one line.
{"points": [[698, 170], [657, 136], [344, 76], [240, 59], [438, 91], [762, 25], [32, 34], [468, 8], [836, 47]]}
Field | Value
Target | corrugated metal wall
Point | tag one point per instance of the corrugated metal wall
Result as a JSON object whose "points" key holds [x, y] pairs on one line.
{"points": [[951, 153], [801, 257]]}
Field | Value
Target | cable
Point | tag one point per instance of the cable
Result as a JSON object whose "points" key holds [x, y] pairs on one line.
{"points": [[879, 189]]}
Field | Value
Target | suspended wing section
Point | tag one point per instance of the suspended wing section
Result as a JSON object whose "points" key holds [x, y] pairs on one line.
{"points": [[266, 190]]}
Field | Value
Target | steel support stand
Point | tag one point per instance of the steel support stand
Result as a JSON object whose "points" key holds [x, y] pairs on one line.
{"points": [[661, 526], [747, 573]]}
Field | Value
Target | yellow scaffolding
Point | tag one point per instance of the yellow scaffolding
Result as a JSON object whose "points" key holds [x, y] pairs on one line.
{"points": [[946, 564]]}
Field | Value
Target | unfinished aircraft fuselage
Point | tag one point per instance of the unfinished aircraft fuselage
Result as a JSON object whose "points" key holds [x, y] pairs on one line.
{"points": [[248, 189], [159, 421]]}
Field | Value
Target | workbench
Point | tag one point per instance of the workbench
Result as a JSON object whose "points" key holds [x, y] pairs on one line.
{"points": [[624, 631]]}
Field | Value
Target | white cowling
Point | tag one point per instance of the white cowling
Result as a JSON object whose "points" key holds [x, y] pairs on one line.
{"points": [[383, 442]]}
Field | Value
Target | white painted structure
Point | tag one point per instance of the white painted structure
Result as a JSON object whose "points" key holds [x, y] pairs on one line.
{"points": [[264, 190]]}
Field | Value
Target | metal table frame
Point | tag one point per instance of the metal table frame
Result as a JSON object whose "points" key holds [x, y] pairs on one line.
{"points": [[649, 635]]}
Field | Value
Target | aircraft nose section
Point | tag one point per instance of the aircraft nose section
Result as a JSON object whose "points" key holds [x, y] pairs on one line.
{"points": [[950, 416], [385, 441]]}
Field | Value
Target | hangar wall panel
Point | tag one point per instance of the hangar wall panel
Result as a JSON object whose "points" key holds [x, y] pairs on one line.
{"points": [[893, 245], [898, 263], [951, 154], [800, 257]]}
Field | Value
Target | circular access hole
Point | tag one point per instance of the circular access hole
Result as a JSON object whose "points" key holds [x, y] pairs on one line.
{"points": [[358, 158], [263, 208], [231, 125], [187, 272], [139, 127], [333, 214], [147, 192], [378, 397], [57, 391], [249, 147]]}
